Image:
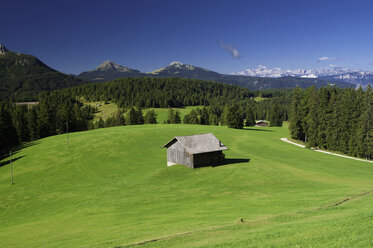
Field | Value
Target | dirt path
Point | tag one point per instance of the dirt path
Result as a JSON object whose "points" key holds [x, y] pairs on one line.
{"points": [[331, 153]]}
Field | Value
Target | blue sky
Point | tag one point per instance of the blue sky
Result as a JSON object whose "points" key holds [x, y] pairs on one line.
{"points": [[74, 36]]}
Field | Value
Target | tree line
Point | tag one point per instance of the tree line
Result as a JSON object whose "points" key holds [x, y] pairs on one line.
{"points": [[334, 119], [56, 113], [61, 110]]}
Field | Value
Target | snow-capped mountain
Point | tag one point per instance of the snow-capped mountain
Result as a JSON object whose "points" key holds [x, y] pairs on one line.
{"points": [[358, 77]]}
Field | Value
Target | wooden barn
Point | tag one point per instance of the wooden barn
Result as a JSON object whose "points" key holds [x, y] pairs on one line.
{"points": [[261, 123], [194, 150]]}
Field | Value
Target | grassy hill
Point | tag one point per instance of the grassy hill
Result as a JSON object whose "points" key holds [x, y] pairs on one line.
{"points": [[112, 188]]}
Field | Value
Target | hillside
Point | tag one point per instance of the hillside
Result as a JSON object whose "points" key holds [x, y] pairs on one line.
{"points": [[180, 70], [23, 76], [112, 188]]}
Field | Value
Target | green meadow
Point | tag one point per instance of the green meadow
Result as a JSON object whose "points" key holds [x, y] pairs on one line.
{"points": [[106, 110], [111, 188]]}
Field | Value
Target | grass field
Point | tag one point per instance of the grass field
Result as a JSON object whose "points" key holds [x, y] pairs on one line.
{"points": [[104, 110], [162, 113], [109, 109], [112, 188]]}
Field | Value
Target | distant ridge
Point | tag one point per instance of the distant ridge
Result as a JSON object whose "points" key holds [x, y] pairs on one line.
{"points": [[108, 70]]}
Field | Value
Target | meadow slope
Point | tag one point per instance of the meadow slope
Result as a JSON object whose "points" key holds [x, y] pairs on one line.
{"points": [[112, 188]]}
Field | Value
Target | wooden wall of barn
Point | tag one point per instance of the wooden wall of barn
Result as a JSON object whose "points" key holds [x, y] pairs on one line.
{"points": [[177, 154], [209, 158]]}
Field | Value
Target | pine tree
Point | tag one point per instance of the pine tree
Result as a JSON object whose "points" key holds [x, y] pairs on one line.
{"points": [[365, 131], [131, 116], [139, 117], [171, 116], [119, 118], [312, 119], [249, 119], [296, 128], [32, 121], [234, 117], [177, 117], [275, 117], [150, 117], [8, 133], [214, 120], [204, 117], [20, 122]]}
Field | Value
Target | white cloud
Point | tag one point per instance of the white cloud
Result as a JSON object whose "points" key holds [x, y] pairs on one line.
{"points": [[325, 59], [231, 49]]}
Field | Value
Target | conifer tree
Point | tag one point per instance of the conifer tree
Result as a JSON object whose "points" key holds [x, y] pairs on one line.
{"points": [[249, 119], [234, 117], [275, 117], [171, 116], [312, 119], [296, 128], [204, 117], [177, 117], [150, 117]]}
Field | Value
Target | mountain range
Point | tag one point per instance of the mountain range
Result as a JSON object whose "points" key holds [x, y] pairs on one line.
{"points": [[24, 76], [109, 71], [355, 76]]}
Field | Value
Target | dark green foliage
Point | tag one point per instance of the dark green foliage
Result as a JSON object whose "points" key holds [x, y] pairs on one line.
{"points": [[234, 116], [249, 117], [335, 119], [275, 116], [100, 123], [191, 118], [134, 117], [53, 115], [204, 119], [20, 123], [296, 127], [214, 120], [177, 117], [23, 76], [171, 116], [131, 116], [160, 92], [8, 133], [150, 117]]}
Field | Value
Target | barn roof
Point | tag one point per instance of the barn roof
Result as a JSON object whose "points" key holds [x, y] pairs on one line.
{"points": [[261, 121], [199, 143]]}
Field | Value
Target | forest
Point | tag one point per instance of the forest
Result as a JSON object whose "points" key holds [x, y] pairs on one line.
{"points": [[61, 110], [334, 119]]}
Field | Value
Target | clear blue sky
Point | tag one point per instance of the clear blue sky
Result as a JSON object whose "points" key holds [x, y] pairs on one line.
{"points": [[74, 36]]}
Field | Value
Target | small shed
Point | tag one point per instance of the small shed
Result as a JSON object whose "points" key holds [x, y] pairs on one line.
{"points": [[261, 123], [194, 150]]}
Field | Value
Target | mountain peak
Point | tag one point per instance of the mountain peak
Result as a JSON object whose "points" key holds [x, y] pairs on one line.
{"points": [[3, 49], [109, 65], [106, 65], [175, 63]]}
